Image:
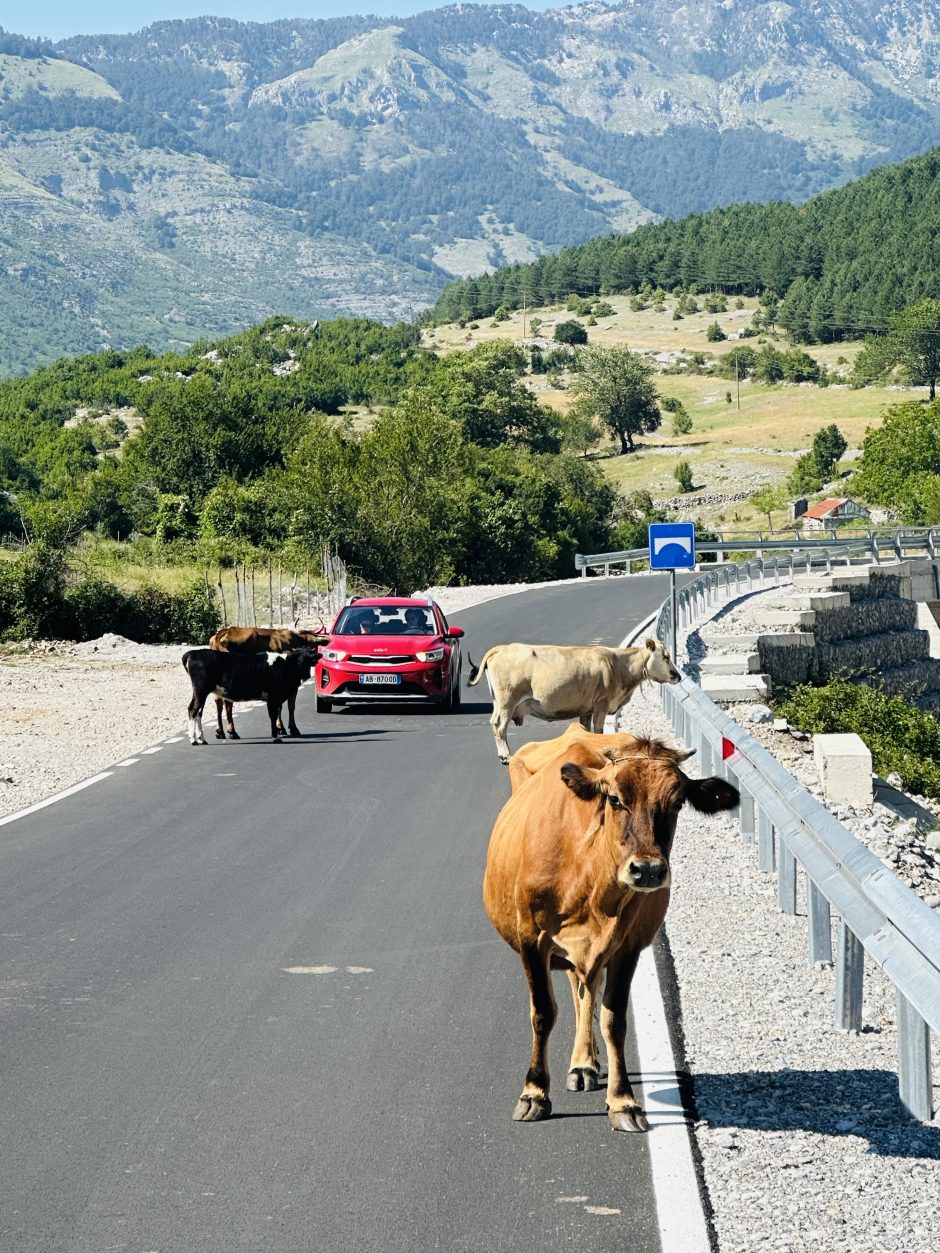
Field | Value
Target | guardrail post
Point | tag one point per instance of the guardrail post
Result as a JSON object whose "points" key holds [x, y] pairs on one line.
{"points": [[786, 878], [746, 812], [766, 859], [915, 1078], [820, 925], [850, 978]]}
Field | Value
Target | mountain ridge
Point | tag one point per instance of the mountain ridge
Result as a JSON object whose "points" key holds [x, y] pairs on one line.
{"points": [[355, 165]]}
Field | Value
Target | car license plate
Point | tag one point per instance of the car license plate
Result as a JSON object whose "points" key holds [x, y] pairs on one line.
{"points": [[380, 679]]}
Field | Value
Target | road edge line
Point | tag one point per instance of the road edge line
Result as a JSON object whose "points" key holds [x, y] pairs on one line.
{"points": [[683, 1226], [56, 796]]}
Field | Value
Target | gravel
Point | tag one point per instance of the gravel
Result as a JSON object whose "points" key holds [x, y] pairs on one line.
{"points": [[801, 1138]]}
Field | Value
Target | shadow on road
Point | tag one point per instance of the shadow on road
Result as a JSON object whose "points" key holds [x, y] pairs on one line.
{"points": [[830, 1102]]}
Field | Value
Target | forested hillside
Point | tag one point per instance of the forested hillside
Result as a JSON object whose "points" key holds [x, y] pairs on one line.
{"points": [[194, 178], [240, 448], [844, 262]]}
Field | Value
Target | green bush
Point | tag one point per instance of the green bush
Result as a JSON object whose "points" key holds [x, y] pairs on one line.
{"points": [[900, 736], [683, 476], [570, 332]]}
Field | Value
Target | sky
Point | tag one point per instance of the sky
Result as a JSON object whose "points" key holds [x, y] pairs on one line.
{"points": [[57, 19]]}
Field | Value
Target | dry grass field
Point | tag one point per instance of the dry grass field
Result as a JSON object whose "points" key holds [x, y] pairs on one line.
{"points": [[741, 436]]}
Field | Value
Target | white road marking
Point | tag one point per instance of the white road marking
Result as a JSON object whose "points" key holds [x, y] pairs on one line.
{"points": [[601, 1209], [176, 739], [59, 796], [310, 970], [571, 1200], [147, 752], [359, 970], [130, 761], [682, 1224]]}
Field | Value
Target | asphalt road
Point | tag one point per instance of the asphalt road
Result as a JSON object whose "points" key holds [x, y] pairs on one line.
{"points": [[250, 1000]]}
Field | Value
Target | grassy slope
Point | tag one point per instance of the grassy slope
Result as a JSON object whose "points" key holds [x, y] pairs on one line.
{"points": [[729, 450]]}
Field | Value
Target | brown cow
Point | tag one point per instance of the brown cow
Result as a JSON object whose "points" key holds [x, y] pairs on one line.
{"points": [[252, 640], [577, 879], [555, 682]]}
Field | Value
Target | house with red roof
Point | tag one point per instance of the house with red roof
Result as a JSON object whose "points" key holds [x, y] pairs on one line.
{"points": [[832, 512]]}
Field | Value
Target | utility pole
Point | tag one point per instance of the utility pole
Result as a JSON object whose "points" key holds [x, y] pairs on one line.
{"points": [[523, 315]]}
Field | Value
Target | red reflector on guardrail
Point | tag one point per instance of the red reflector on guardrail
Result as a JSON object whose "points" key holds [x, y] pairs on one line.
{"points": [[727, 749]]}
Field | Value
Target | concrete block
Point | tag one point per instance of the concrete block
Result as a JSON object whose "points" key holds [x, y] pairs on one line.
{"points": [[718, 641], [731, 663], [837, 581], [818, 599], [927, 613], [753, 688], [844, 765], [784, 617]]}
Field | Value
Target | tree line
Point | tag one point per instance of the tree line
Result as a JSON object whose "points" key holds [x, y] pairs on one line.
{"points": [[243, 447], [842, 264]]}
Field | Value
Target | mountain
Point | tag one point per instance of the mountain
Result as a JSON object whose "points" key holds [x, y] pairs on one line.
{"points": [[194, 177]]}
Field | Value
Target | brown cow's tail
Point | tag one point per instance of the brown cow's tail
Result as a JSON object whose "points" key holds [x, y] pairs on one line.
{"points": [[477, 672]]}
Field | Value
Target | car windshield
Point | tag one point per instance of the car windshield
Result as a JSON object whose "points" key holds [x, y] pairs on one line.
{"points": [[386, 620]]}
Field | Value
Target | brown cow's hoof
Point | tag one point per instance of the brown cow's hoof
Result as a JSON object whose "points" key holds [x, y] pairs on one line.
{"points": [[532, 1109], [220, 735], [581, 1079], [628, 1119]]}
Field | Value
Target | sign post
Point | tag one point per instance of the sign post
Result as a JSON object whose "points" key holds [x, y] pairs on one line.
{"points": [[672, 548]]}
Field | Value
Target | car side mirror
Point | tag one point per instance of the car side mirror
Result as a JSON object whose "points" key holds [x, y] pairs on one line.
{"points": [[455, 633]]}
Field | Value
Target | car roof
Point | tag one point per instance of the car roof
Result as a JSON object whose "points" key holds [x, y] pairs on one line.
{"points": [[392, 602]]}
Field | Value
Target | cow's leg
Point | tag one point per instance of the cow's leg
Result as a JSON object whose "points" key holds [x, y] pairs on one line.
{"points": [[294, 728], [598, 718], [583, 1067], [623, 1109], [194, 711], [534, 1104], [499, 721], [586, 721], [230, 721], [274, 713]]}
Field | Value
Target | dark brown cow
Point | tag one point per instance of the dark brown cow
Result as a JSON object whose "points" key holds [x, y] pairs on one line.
{"points": [[577, 879], [253, 640]]}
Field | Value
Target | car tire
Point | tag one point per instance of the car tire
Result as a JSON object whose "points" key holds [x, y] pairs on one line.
{"points": [[324, 706]]}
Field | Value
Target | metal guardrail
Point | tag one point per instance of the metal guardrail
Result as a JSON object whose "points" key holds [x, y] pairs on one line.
{"points": [[873, 545], [878, 914]]}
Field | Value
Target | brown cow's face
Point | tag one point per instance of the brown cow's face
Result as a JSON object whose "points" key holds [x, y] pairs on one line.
{"points": [[641, 797]]}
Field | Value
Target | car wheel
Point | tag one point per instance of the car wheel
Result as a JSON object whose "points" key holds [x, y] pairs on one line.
{"points": [[455, 696], [324, 706]]}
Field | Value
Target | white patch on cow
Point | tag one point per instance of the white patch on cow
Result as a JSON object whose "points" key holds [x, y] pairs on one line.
{"points": [[310, 970], [601, 1209], [273, 658], [571, 1200], [360, 970]]}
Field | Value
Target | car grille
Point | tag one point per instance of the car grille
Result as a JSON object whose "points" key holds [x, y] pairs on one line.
{"points": [[403, 660]]}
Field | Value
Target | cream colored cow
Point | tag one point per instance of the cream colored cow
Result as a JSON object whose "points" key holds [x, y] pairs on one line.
{"points": [[554, 682]]}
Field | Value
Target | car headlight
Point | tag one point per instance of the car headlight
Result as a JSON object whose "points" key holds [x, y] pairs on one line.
{"points": [[432, 654], [333, 654]]}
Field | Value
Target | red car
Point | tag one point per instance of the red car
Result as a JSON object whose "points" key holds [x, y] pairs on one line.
{"points": [[390, 648]]}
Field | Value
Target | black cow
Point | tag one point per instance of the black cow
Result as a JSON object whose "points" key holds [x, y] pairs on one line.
{"points": [[271, 677]]}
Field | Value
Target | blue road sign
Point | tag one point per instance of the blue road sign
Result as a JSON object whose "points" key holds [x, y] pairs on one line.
{"points": [[672, 545]]}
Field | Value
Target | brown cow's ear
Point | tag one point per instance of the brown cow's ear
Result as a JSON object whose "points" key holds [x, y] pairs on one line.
{"points": [[584, 784], [651, 645], [709, 796]]}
